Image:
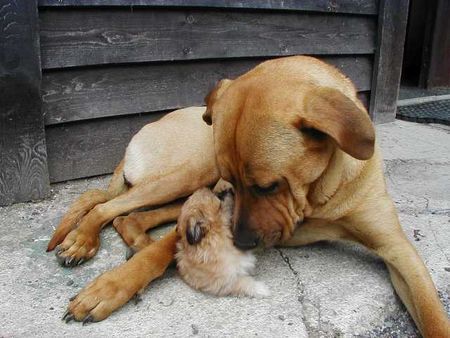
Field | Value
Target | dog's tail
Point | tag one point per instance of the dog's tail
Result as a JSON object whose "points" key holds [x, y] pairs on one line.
{"points": [[85, 203]]}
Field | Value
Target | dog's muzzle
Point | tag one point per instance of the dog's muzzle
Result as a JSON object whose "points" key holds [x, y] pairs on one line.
{"points": [[244, 239]]}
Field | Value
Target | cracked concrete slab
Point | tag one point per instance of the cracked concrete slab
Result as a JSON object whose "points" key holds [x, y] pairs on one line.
{"points": [[323, 290]]}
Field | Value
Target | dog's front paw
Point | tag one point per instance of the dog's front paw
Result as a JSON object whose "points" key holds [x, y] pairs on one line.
{"points": [[99, 299], [131, 232], [77, 248]]}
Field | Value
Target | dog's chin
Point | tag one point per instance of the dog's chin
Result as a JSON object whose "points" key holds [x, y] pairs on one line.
{"points": [[270, 241]]}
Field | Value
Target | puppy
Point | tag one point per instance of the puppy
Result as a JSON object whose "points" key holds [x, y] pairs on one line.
{"points": [[206, 258]]}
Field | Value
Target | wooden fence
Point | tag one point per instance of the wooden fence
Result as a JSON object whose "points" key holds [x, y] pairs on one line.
{"points": [[79, 77]]}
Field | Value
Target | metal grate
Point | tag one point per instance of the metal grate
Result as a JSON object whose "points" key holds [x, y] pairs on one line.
{"points": [[429, 112]]}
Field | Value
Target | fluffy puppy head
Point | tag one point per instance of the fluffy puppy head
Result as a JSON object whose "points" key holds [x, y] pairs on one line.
{"points": [[204, 219]]}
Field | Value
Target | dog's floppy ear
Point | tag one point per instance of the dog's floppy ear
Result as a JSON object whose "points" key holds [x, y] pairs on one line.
{"points": [[212, 97], [331, 112]]}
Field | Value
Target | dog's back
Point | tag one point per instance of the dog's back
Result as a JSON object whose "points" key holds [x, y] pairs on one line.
{"points": [[181, 134]]}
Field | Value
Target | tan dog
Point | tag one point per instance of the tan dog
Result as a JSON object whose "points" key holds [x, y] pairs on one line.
{"points": [[206, 257], [295, 141]]}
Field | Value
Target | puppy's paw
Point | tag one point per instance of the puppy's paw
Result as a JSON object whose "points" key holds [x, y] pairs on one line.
{"points": [[260, 290]]}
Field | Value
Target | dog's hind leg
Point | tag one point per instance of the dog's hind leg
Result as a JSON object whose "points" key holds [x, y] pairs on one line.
{"points": [[84, 204], [133, 227]]}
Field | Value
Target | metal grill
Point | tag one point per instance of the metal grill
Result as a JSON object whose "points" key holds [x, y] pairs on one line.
{"points": [[429, 112]]}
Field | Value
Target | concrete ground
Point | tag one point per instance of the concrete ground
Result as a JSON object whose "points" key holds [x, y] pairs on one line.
{"points": [[323, 290]]}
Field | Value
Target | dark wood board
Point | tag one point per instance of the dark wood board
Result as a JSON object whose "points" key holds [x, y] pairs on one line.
{"points": [[436, 64], [388, 60], [80, 37], [341, 6], [78, 94], [364, 97], [23, 165], [92, 147]]}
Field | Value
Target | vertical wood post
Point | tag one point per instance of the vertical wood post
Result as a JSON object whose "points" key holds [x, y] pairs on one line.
{"points": [[393, 16], [23, 156], [435, 70]]}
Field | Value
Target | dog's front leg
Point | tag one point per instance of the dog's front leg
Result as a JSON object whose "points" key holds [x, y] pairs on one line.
{"points": [[382, 233], [134, 226], [384, 236], [111, 290]]}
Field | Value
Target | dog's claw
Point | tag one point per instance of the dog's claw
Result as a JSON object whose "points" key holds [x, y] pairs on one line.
{"points": [[69, 318], [88, 319], [72, 298], [81, 261], [65, 314], [137, 298], [69, 261], [61, 260], [58, 250]]}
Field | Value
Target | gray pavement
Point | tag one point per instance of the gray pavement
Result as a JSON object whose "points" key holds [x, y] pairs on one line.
{"points": [[323, 290]]}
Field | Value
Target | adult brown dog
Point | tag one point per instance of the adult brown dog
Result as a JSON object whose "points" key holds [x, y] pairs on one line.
{"points": [[299, 148]]}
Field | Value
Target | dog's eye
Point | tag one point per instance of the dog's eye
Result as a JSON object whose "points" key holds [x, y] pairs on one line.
{"points": [[265, 190], [313, 133]]}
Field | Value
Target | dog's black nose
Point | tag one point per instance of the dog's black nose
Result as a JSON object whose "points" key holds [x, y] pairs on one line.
{"points": [[245, 245], [244, 239]]}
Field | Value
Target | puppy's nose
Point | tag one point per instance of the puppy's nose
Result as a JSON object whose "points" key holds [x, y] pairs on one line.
{"points": [[244, 239]]}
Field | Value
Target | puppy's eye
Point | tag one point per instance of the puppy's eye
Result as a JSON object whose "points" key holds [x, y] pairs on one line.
{"points": [[265, 190], [313, 133]]}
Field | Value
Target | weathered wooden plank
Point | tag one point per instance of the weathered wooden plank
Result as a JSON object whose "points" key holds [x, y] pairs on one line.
{"points": [[435, 71], [364, 97], [78, 94], [92, 147], [341, 6], [388, 60], [23, 165], [78, 37]]}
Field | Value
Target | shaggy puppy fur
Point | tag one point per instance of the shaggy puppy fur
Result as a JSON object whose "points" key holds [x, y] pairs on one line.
{"points": [[206, 258]]}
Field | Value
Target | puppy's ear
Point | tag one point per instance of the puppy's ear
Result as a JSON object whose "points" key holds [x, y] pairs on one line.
{"points": [[331, 112], [194, 231], [212, 97]]}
